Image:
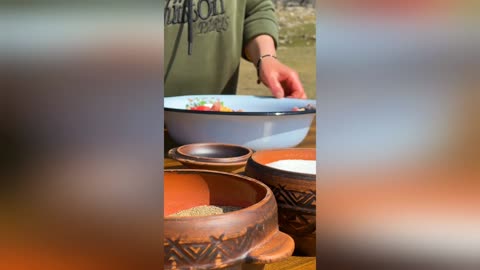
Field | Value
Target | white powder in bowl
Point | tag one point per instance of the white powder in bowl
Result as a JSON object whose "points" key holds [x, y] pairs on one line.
{"points": [[295, 165]]}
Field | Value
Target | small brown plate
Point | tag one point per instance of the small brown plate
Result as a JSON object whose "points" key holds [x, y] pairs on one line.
{"points": [[212, 156]]}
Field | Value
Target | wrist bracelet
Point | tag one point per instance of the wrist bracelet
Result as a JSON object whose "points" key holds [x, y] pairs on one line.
{"points": [[258, 65]]}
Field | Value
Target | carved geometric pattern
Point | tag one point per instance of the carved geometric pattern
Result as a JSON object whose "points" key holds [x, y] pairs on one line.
{"points": [[294, 198], [181, 255], [296, 213], [297, 223]]}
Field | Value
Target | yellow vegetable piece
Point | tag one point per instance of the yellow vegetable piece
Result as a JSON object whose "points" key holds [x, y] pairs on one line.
{"points": [[225, 109]]}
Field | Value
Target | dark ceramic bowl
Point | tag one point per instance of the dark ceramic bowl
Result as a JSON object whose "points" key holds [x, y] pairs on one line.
{"points": [[295, 194], [244, 239], [212, 156]]}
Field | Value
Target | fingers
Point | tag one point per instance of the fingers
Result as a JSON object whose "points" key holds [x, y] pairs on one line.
{"points": [[282, 81], [276, 88], [270, 74], [294, 86], [299, 95]]}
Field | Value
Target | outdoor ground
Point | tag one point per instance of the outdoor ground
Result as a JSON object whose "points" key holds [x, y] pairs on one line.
{"points": [[297, 50]]}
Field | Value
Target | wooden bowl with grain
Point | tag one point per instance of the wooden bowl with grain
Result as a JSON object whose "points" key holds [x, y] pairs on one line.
{"points": [[245, 238]]}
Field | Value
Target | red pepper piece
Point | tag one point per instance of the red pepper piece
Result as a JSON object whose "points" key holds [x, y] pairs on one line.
{"points": [[200, 108]]}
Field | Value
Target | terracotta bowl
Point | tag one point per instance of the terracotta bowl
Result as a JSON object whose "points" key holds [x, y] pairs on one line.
{"points": [[212, 156], [294, 192], [244, 239]]}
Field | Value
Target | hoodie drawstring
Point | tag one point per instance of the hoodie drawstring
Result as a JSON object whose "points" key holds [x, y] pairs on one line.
{"points": [[190, 26]]}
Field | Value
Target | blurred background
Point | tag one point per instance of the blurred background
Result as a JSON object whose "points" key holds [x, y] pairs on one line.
{"points": [[398, 142], [82, 135], [296, 49]]}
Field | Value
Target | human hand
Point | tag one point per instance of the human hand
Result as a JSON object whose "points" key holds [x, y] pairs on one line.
{"points": [[281, 79]]}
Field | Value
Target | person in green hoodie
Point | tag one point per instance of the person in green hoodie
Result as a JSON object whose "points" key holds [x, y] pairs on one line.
{"points": [[206, 39]]}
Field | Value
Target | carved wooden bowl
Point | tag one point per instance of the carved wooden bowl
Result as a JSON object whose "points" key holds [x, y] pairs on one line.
{"points": [[212, 156], [294, 192], [244, 239]]}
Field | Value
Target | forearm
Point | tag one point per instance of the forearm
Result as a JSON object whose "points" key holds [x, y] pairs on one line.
{"points": [[258, 46]]}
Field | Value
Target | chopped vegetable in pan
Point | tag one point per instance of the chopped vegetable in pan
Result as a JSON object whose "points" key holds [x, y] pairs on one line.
{"points": [[218, 106]]}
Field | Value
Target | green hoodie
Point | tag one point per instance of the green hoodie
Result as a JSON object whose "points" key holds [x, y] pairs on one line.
{"points": [[220, 31]]}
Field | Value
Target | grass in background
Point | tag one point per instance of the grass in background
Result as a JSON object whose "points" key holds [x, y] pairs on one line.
{"points": [[296, 49]]}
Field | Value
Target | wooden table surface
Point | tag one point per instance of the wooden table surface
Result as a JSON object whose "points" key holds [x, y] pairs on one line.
{"points": [[294, 262]]}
